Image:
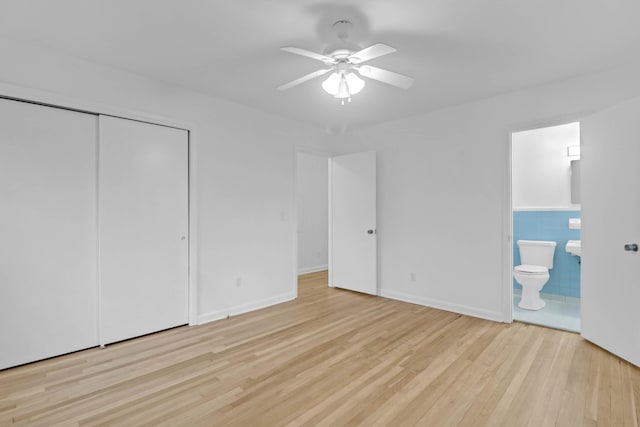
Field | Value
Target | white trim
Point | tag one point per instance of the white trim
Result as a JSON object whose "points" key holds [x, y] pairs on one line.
{"points": [[296, 221], [315, 269], [212, 316], [442, 305], [98, 234], [53, 99], [193, 228], [257, 305], [245, 308], [546, 208], [565, 119], [378, 265], [507, 248], [37, 96], [330, 225]]}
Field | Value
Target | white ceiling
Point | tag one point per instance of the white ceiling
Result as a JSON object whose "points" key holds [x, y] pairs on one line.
{"points": [[457, 50]]}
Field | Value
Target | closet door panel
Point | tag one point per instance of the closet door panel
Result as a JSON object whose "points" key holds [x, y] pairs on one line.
{"points": [[143, 228], [48, 229]]}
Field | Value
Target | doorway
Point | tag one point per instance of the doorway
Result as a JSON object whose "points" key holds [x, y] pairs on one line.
{"points": [[336, 213], [312, 199], [546, 211]]}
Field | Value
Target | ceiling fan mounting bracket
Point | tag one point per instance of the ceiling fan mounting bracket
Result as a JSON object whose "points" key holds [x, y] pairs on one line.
{"points": [[342, 28], [343, 46]]}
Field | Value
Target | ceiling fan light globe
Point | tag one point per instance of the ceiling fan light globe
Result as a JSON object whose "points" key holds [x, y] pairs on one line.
{"points": [[342, 86], [332, 84], [355, 83]]}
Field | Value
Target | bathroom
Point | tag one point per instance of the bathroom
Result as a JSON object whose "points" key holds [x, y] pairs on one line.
{"points": [[546, 211]]}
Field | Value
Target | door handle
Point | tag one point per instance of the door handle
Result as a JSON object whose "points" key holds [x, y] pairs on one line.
{"points": [[370, 231], [631, 247]]}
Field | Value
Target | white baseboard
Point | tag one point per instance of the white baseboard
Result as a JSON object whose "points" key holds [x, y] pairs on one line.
{"points": [[442, 305], [244, 308], [308, 270], [256, 305], [212, 316]]}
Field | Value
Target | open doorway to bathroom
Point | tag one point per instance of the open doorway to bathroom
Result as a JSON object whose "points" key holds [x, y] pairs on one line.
{"points": [[545, 199]]}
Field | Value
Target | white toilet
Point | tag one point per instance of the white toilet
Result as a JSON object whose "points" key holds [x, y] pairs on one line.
{"points": [[536, 257]]}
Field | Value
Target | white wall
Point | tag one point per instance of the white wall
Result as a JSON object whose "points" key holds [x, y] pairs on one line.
{"points": [[313, 212], [443, 181], [541, 169], [246, 194], [443, 185]]}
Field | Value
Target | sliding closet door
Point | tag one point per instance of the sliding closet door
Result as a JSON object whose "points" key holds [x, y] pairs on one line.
{"points": [[48, 232], [143, 211]]}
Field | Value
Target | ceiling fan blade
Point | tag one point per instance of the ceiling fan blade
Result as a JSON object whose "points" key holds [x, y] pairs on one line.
{"points": [[370, 53], [309, 54], [386, 76], [304, 79]]}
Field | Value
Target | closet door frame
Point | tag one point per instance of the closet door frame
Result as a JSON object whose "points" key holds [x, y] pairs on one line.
{"points": [[19, 93]]}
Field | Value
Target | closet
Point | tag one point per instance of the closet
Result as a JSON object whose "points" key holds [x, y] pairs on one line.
{"points": [[93, 229]]}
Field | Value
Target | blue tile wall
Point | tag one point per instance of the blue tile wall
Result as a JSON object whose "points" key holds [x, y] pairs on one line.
{"points": [[550, 225]]}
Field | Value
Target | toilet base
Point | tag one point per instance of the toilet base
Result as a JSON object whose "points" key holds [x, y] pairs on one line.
{"points": [[530, 299]]}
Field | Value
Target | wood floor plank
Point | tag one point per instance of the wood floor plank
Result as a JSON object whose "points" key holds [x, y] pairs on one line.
{"points": [[332, 357]]}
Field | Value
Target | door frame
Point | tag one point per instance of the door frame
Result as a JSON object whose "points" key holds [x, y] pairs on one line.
{"points": [[507, 216], [330, 217], [50, 99]]}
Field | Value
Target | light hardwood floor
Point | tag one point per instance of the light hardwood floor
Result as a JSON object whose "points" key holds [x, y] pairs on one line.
{"points": [[331, 358]]}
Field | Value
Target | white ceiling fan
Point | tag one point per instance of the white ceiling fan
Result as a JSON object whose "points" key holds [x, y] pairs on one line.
{"points": [[345, 61]]}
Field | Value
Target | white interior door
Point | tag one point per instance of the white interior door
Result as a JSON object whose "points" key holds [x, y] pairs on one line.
{"points": [[610, 276], [353, 222], [143, 208], [48, 229]]}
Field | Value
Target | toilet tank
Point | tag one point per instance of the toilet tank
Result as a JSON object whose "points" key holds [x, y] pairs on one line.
{"points": [[537, 252]]}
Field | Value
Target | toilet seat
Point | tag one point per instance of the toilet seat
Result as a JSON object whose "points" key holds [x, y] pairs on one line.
{"points": [[531, 269]]}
